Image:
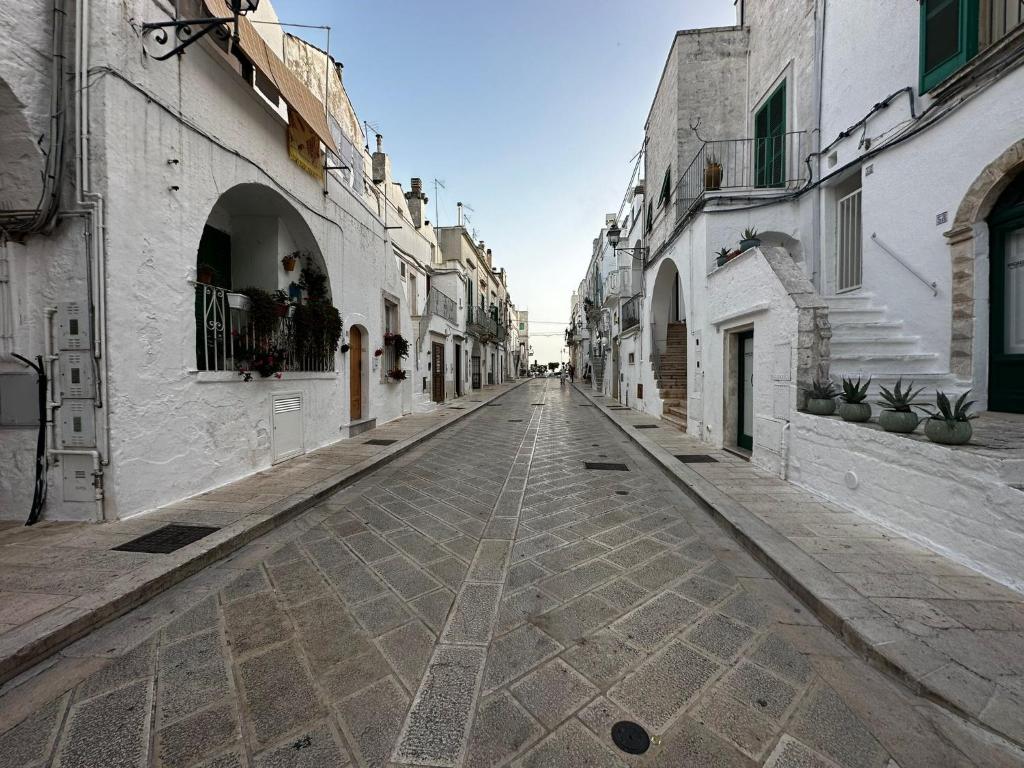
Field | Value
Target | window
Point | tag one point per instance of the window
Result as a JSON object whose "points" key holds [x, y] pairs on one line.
{"points": [[666, 188], [770, 140], [650, 217], [522, 326], [949, 38]]}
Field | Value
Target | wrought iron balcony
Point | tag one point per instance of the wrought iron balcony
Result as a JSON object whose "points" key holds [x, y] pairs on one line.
{"points": [[482, 323], [775, 163], [441, 305], [630, 316]]}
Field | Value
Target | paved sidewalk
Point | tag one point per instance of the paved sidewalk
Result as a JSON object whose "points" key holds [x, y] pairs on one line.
{"points": [[949, 633], [60, 580]]}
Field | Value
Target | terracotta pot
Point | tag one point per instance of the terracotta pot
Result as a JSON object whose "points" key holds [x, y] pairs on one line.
{"points": [[946, 433], [898, 421], [205, 275], [713, 176], [821, 406], [855, 412], [288, 262]]}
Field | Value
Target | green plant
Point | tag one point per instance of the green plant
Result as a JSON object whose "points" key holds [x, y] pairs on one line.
{"points": [[312, 280], [397, 374], [854, 391], [266, 362], [899, 399], [723, 253], [949, 412], [263, 312], [401, 345], [822, 390], [316, 328], [750, 233]]}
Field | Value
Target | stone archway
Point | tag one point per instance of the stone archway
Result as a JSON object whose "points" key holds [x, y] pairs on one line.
{"points": [[669, 341], [968, 224]]}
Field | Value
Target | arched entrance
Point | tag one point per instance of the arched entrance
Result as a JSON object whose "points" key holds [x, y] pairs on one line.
{"points": [[669, 342], [1006, 300]]}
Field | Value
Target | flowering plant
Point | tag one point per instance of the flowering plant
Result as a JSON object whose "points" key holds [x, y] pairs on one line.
{"points": [[378, 352], [397, 374], [266, 362]]}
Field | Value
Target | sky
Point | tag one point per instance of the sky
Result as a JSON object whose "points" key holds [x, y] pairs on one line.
{"points": [[531, 112]]}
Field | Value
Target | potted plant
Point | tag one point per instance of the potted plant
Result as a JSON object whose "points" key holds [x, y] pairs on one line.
{"points": [[853, 408], [238, 301], [205, 274], [267, 362], [749, 239], [723, 255], [401, 345], [949, 424], [712, 173], [821, 397], [397, 374], [281, 304], [316, 331], [897, 408], [378, 352], [289, 261], [263, 314]]}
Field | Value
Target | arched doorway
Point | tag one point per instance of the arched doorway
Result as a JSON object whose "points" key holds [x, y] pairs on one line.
{"points": [[1006, 300], [669, 342], [356, 366]]}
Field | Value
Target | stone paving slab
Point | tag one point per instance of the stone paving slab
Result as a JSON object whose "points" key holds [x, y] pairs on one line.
{"points": [[61, 580], [947, 632]]}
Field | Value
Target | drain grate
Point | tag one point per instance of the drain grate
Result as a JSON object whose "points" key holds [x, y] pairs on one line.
{"points": [[168, 539], [619, 408], [379, 441], [513, 421], [608, 465], [630, 737], [536, 403], [493, 405], [456, 408], [622, 493], [586, 405], [645, 426], [696, 458]]}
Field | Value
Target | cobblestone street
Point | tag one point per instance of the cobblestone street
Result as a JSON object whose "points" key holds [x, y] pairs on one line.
{"points": [[484, 600]]}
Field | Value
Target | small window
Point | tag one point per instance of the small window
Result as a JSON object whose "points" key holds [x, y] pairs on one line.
{"points": [[650, 216], [666, 188], [401, 267], [949, 38]]}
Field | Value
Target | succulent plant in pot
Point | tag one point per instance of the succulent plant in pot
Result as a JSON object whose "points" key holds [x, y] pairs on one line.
{"points": [[949, 423], [722, 256], [853, 408], [821, 397], [898, 408], [749, 239]]}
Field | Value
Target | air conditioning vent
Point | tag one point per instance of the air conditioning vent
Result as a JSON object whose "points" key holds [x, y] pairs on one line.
{"points": [[287, 421]]}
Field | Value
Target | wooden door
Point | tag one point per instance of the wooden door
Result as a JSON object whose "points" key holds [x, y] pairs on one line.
{"points": [[355, 374], [437, 371]]}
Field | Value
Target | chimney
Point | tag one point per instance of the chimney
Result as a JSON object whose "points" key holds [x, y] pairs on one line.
{"points": [[458, 207], [417, 201], [381, 166]]}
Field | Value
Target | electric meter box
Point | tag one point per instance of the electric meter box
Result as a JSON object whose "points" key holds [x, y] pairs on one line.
{"points": [[76, 380], [78, 424], [78, 480], [19, 400], [73, 325]]}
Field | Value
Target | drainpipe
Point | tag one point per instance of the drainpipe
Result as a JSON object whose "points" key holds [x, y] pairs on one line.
{"points": [[784, 451]]}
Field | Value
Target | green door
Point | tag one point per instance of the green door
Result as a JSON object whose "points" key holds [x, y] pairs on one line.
{"points": [[770, 141], [1006, 302]]}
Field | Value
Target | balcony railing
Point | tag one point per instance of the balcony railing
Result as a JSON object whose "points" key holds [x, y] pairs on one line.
{"points": [[226, 336], [482, 324], [630, 316], [772, 163], [441, 305]]}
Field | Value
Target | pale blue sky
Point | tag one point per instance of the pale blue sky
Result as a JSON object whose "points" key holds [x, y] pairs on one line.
{"points": [[529, 111]]}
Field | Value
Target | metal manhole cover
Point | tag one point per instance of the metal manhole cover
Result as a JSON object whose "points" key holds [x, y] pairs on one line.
{"points": [[609, 465], [379, 441], [696, 458], [630, 737], [168, 539], [645, 426]]}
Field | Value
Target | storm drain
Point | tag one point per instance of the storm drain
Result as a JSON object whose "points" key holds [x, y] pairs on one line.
{"points": [[379, 441], [622, 493], [536, 403], [630, 737], [696, 458], [513, 421], [493, 405], [619, 408], [608, 465], [586, 405], [456, 408], [168, 539], [645, 426]]}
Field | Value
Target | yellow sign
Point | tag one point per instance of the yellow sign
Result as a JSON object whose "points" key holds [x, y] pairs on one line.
{"points": [[304, 146]]}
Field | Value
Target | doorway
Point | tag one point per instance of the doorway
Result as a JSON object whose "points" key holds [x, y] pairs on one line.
{"points": [[437, 372], [745, 391], [355, 374], [1006, 301], [458, 370], [476, 373]]}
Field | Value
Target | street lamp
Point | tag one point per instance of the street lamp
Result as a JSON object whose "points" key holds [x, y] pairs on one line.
{"points": [[614, 235], [188, 31]]}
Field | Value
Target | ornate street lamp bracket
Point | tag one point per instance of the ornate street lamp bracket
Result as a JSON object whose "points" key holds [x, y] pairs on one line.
{"points": [[187, 31]]}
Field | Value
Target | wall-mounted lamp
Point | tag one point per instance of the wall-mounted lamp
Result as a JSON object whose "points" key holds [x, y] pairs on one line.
{"points": [[187, 31]]}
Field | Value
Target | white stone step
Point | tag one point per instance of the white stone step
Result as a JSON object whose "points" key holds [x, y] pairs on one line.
{"points": [[842, 316], [878, 342]]}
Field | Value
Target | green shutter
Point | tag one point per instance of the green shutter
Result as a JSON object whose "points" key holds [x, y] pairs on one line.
{"points": [[770, 140], [666, 188], [949, 38]]}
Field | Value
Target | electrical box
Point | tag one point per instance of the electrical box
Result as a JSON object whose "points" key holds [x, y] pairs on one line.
{"points": [[73, 325], [78, 479], [78, 424], [19, 400], [76, 379]]}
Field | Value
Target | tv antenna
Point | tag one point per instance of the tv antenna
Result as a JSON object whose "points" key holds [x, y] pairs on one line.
{"points": [[437, 216], [367, 126]]}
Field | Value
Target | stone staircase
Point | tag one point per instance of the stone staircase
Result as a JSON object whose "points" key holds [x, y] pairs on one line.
{"points": [[866, 342], [672, 376], [597, 372]]}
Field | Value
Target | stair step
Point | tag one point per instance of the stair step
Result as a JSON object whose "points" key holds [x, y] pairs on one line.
{"points": [[674, 421], [869, 342]]}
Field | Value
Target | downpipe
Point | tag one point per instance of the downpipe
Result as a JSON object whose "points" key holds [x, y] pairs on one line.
{"points": [[784, 451]]}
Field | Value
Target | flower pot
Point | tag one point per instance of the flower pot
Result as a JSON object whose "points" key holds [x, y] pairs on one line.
{"points": [[898, 421], [239, 301], [821, 406], [721, 261], [948, 433], [855, 412], [289, 262], [746, 245], [713, 176], [205, 275]]}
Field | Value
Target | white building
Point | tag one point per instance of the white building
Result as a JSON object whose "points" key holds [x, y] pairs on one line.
{"points": [[883, 172], [171, 187]]}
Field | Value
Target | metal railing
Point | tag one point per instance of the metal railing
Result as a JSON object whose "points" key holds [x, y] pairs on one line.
{"points": [[481, 323], [932, 285], [442, 305], [226, 336], [630, 316], [775, 162]]}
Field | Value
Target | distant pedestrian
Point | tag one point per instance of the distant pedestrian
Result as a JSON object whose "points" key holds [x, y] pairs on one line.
{"points": [[572, 373]]}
